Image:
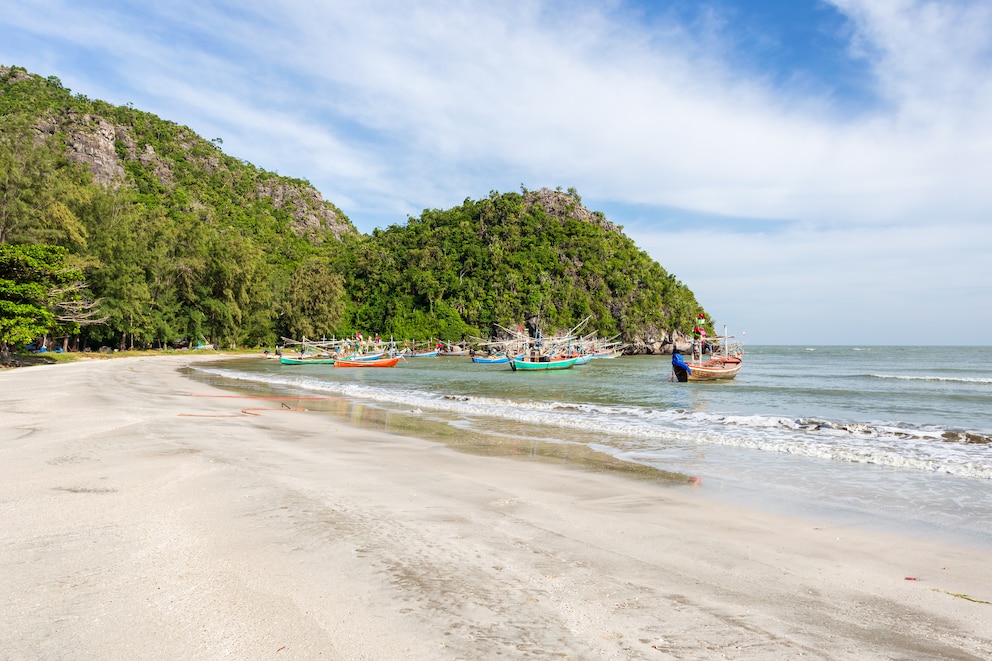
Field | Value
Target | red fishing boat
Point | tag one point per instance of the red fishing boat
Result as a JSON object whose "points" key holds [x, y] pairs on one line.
{"points": [[378, 362]]}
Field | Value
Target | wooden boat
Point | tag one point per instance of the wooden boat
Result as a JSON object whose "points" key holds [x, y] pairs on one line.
{"points": [[542, 352], [422, 354], [286, 360], [491, 360], [362, 356], [723, 365], [608, 348], [535, 363], [378, 362]]}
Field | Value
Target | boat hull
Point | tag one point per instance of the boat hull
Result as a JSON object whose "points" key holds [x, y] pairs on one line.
{"points": [[355, 357], [493, 360], [537, 366], [284, 360], [714, 370], [381, 362]]}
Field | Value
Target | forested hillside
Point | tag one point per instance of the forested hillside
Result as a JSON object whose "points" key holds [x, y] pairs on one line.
{"points": [[169, 240], [540, 258]]}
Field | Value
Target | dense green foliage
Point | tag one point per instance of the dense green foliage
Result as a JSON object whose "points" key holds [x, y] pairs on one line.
{"points": [[35, 289], [506, 260], [188, 243], [181, 242]]}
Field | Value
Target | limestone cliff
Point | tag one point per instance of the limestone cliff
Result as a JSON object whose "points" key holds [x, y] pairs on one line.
{"points": [[114, 143]]}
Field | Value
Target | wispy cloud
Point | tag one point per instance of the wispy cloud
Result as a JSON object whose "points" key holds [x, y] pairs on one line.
{"points": [[389, 108]]}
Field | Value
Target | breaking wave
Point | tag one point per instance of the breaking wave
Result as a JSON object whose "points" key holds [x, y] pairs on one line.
{"points": [[929, 448]]}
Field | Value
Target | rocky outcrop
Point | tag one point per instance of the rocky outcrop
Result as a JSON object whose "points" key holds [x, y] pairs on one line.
{"points": [[103, 148], [13, 74], [313, 216], [567, 205], [90, 140]]}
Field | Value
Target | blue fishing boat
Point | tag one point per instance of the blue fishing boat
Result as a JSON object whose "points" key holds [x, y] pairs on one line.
{"points": [[491, 360]]}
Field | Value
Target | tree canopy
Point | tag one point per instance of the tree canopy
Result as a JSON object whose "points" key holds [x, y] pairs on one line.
{"points": [[538, 258], [39, 294]]}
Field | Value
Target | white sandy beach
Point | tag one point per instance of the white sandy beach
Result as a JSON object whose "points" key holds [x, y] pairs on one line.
{"points": [[145, 516]]}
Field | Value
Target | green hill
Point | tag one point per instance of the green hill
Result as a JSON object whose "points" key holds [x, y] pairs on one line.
{"points": [[173, 240], [539, 258]]}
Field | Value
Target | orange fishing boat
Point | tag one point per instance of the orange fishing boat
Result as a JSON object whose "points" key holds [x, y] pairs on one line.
{"points": [[378, 362]]}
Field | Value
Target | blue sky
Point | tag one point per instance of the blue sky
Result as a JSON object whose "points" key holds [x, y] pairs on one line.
{"points": [[816, 171]]}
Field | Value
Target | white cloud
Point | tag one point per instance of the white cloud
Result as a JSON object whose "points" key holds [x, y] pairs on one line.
{"points": [[390, 108], [837, 285]]}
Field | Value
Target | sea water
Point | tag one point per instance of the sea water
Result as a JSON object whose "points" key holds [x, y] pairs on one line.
{"points": [[898, 437]]}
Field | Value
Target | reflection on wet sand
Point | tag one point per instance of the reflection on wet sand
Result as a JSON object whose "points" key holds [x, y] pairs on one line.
{"points": [[512, 439]]}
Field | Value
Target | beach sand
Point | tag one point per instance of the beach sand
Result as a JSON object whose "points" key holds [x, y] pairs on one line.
{"points": [[146, 515]]}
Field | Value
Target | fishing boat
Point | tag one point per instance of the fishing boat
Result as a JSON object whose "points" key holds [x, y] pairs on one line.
{"points": [[535, 362], [491, 351], [491, 360], [378, 362], [287, 360], [725, 364], [365, 357], [599, 348], [541, 353], [421, 354], [720, 367], [307, 352]]}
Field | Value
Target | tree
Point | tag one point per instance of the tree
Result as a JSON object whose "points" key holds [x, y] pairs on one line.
{"points": [[36, 190], [38, 293], [314, 305], [230, 286], [134, 270]]}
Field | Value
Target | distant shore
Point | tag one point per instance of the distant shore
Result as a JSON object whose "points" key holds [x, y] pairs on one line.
{"points": [[147, 515]]}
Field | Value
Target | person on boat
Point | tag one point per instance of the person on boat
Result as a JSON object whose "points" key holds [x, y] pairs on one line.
{"points": [[679, 367]]}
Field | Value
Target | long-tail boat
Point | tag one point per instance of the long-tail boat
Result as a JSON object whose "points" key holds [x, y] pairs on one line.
{"points": [[720, 366], [289, 360], [378, 362], [539, 362]]}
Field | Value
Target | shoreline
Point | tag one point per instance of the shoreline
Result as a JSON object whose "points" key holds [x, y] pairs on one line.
{"points": [[143, 522], [763, 490]]}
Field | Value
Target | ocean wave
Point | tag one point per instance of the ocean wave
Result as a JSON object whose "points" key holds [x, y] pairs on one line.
{"points": [[949, 379], [918, 447]]}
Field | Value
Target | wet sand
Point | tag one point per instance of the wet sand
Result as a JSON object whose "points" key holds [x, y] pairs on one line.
{"points": [[149, 516]]}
